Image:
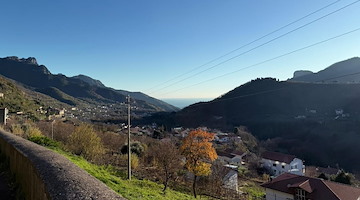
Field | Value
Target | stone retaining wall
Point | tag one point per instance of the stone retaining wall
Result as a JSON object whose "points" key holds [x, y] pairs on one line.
{"points": [[44, 174]]}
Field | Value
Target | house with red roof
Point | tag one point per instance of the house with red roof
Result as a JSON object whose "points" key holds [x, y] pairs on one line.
{"points": [[277, 163], [294, 187]]}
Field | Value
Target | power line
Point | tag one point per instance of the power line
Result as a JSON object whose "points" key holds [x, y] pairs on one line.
{"points": [[247, 44], [263, 44], [268, 60]]}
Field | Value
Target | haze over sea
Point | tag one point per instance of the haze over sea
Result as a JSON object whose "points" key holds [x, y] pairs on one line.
{"points": [[183, 102]]}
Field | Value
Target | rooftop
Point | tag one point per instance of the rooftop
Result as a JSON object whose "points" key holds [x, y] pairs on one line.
{"points": [[276, 156], [316, 188]]}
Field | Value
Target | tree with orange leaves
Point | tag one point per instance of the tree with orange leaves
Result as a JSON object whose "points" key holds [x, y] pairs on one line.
{"points": [[199, 153]]}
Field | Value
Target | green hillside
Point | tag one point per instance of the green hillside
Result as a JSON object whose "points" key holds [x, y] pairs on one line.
{"points": [[18, 101], [59, 95]]}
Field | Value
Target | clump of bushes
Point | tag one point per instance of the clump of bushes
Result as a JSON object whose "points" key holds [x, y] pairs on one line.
{"points": [[134, 160], [32, 131], [44, 141], [136, 148], [16, 129], [26, 130], [85, 142]]}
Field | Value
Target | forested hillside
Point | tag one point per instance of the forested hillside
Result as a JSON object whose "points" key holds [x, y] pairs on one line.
{"points": [[317, 122]]}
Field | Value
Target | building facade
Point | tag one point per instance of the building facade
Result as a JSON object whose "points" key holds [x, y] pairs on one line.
{"points": [[279, 163]]}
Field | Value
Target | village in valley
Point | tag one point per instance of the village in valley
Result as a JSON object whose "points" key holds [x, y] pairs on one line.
{"points": [[246, 169]]}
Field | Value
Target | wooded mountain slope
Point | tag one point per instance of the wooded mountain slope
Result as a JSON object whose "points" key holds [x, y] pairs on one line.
{"points": [[319, 123], [28, 72]]}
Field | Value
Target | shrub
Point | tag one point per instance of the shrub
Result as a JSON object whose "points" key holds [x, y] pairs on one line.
{"points": [[242, 171], [136, 148], [343, 177], [32, 131], [85, 142], [17, 129], [134, 160], [26, 130], [44, 141]]}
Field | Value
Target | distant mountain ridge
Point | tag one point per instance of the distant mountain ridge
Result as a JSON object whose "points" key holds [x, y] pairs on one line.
{"points": [[347, 71], [269, 100], [135, 95], [89, 80], [38, 77]]}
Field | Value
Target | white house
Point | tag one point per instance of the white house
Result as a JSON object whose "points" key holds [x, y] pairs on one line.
{"points": [[232, 157], [278, 163]]}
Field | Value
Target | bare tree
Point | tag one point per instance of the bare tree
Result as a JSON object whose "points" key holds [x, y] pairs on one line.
{"points": [[167, 159]]}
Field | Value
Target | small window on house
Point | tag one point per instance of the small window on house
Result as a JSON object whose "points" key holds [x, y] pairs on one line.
{"points": [[274, 165], [295, 166], [283, 166], [300, 194]]}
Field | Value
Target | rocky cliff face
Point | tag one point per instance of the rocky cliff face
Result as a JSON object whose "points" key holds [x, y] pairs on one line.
{"points": [[29, 60], [301, 73], [347, 71], [29, 63]]}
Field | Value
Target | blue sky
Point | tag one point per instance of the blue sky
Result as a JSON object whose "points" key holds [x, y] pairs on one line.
{"points": [[138, 45]]}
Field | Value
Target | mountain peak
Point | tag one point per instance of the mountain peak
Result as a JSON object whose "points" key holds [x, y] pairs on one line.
{"points": [[89, 80], [346, 71], [29, 60], [299, 73]]}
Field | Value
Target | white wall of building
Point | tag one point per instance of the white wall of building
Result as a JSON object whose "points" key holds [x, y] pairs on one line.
{"points": [[297, 167], [276, 195], [276, 168], [231, 180]]}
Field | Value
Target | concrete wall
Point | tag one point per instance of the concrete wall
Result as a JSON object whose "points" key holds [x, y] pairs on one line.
{"points": [[44, 174]]}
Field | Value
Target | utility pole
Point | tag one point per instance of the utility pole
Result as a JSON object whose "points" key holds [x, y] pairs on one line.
{"points": [[129, 145]]}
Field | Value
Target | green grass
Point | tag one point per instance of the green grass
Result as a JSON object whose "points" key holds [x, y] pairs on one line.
{"points": [[116, 180], [253, 190], [44, 141]]}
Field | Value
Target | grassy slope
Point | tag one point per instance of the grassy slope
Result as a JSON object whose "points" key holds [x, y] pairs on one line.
{"points": [[16, 100], [134, 189]]}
